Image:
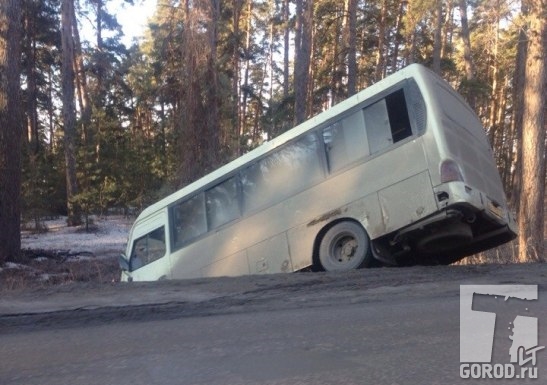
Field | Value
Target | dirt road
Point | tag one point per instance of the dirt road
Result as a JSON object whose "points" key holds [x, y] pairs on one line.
{"points": [[377, 326]]}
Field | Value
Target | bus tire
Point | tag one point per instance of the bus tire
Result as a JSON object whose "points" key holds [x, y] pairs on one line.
{"points": [[345, 246]]}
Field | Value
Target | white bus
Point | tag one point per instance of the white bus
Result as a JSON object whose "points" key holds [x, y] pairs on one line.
{"points": [[401, 173]]}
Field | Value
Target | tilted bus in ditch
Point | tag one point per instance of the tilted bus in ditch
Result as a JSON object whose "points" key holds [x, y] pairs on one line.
{"points": [[401, 172]]}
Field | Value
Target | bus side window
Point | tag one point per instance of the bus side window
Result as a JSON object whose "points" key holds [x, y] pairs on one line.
{"points": [[398, 116], [377, 125], [387, 121], [148, 248], [188, 220], [288, 170], [252, 183], [222, 203], [345, 141]]}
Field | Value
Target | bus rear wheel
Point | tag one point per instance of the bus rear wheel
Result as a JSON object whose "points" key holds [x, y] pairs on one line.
{"points": [[345, 246]]}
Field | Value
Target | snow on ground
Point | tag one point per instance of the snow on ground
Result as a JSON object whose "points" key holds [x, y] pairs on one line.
{"points": [[107, 236]]}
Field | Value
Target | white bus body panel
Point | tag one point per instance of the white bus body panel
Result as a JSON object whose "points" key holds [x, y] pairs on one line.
{"points": [[460, 136], [454, 132]]}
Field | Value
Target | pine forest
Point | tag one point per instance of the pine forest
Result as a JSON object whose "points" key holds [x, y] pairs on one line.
{"points": [[111, 126]]}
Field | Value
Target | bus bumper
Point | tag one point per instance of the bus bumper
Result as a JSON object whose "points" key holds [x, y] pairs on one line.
{"points": [[458, 194], [467, 222]]}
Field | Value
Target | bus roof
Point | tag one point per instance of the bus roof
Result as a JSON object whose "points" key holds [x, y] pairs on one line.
{"points": [[321, 118]]}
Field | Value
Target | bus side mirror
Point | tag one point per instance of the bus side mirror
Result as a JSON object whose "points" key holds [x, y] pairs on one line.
{"points": [[124, 263]]}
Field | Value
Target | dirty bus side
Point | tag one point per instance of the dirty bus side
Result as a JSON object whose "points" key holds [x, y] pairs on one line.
{"points": [[400, 173]]}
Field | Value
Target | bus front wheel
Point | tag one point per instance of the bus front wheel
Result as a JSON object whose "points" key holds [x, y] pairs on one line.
{"points": [[345, 246]]}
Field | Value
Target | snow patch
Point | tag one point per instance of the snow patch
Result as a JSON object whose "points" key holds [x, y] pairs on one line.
{"points": [[15, 266], [107, 236]]}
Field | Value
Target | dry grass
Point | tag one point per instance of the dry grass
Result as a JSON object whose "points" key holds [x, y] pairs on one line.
{"points": [[45, 272], [505, 254]]}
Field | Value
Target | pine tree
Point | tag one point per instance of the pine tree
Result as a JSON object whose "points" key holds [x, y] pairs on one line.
{"points": [[69, 110], [10, 130], [531, 213]]}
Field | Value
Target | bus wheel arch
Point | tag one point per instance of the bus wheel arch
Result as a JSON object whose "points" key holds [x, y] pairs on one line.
{"points": [[342, 245]]}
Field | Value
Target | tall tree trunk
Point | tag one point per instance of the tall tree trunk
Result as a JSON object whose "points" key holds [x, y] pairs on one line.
{"points": [[32, 86], [191, 120], [212, 137], [286, 48], [437, 44], [69, 111], [352, 47], [380, 58], [99, 100], [33, 143], [10, 130], [492, 123], [248, 32], [101, 64], [531, 218], [198, 128], [397, 37], [411, 20], [338, 61], [447, 31], [81, 83], [51, 110], [236, 121], [467, 58], [269, 64], [310, 84], [304, 14], [518, 102]]}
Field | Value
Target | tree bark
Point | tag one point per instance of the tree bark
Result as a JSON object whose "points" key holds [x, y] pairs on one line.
{"points": [[531, 213], [29, 48], [69, 111], [11, 130], [492, 123], [437, 44], [380, 59], [81, 83], [248, 33], [236, 121], [286, 47], [212, 137], [397, 37], [467, 58], [352, 47], [518, 102], [304, 9]]}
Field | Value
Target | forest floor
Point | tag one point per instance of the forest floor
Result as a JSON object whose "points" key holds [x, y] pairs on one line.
{"points": [[58, 254]]}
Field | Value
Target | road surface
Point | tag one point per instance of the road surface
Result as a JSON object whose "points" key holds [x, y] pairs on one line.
{"points": [[378, 326]]}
